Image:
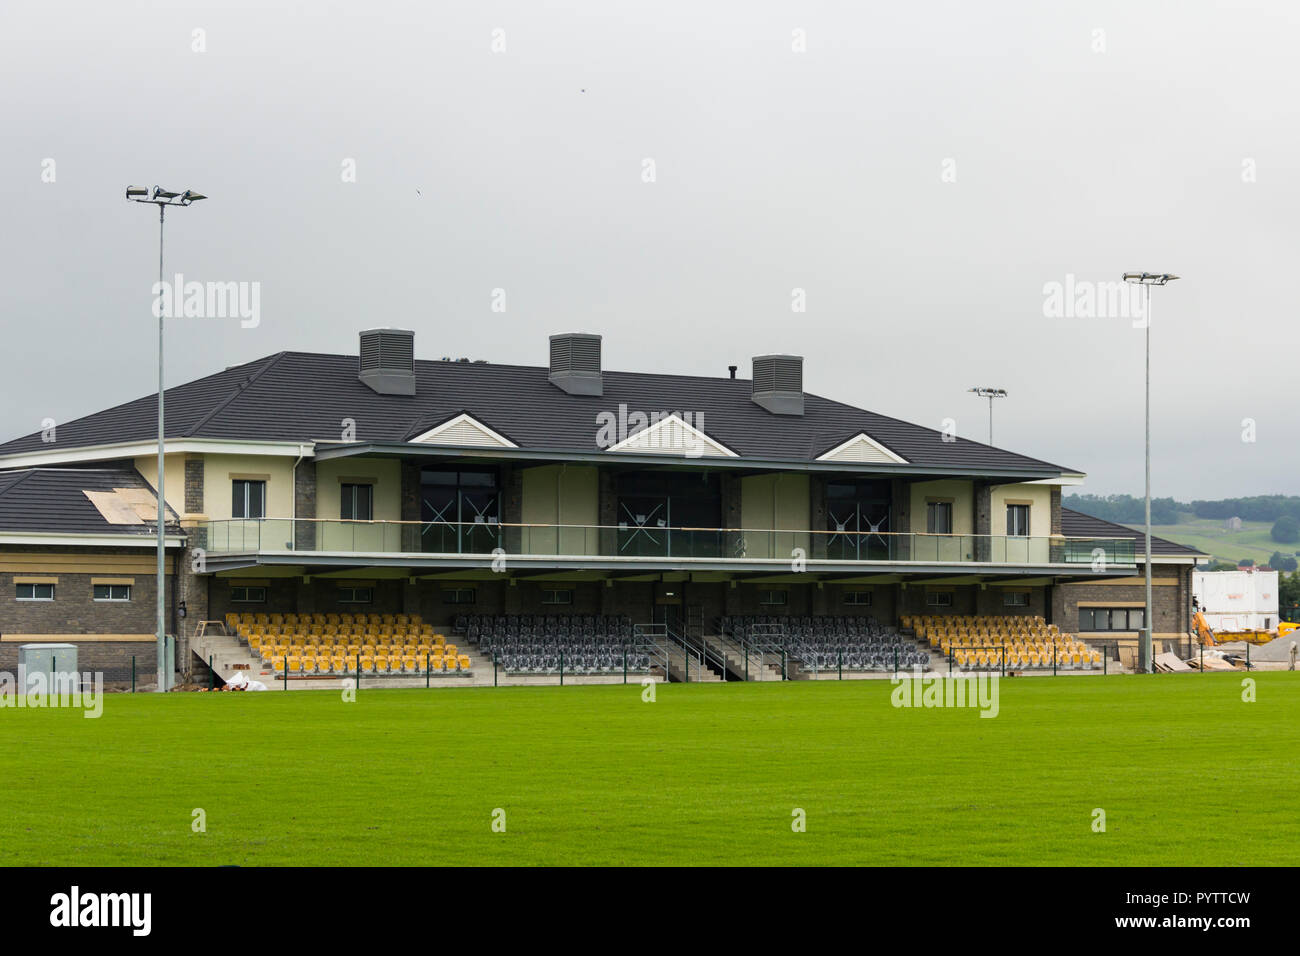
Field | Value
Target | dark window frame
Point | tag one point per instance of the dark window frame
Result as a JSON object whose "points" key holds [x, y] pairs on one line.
{"points": [[933, 509], [1020, 510], [350, 498], [241, 504], [359, 594]]}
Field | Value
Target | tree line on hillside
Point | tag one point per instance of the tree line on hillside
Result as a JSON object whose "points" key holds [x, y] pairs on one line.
{"points": [[1125, 509], [1282, 510]]}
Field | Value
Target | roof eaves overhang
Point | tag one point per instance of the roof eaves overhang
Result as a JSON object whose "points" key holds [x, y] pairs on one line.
{"points": [[325, 451], [88, 540]]}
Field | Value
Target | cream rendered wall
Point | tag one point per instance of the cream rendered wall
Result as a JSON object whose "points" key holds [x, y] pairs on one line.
{"points": [[1039, 499], [384, 473], [779, 502], [962, 495], [173, 476], [560, 495], [939, 547], [217, 471]]}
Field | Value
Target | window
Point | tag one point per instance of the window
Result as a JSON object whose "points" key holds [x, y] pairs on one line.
{"points": [[1018, 520], [458, 596], [248, 499], [858, 598], [1015, 599], [557, 596], [1110, 618], [357, 502], [774, 597], [939, 599], [112, 592], [356, 595], [34, 592], [938, 517], [247, 595]]}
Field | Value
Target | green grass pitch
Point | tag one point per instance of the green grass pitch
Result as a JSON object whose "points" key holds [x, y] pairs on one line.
{"points": [[1186, 772]]}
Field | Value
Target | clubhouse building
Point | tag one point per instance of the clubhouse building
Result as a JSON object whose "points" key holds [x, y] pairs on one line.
{"points": [[376, 483]]}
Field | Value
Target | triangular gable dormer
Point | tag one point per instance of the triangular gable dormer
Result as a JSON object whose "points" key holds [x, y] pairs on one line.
{"points": [[464, 429], [862, 447], [674, 436]]}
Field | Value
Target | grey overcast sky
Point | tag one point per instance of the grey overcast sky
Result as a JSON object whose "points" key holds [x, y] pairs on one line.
{"points": [[921, 170]]}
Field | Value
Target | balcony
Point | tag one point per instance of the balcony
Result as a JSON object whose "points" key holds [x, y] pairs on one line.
{"points": [[655, 544]]}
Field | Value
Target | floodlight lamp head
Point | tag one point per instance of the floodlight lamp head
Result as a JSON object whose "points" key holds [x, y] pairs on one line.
{"points": [[1149, 278], [134, 192]]}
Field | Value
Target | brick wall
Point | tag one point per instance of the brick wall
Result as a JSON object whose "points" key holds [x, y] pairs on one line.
{"points": [[194, 484]]}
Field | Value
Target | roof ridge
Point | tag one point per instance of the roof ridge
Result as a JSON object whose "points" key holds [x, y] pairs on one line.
{"points": [[269, 363]]}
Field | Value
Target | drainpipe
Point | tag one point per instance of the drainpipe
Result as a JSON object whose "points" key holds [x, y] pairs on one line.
{"points": [[293, 498]]}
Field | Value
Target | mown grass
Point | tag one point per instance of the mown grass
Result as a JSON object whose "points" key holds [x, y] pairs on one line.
{"points": [[1186, 772]]}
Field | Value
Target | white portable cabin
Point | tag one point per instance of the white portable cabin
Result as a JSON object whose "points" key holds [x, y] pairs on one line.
{"points": [[1236, 601]]}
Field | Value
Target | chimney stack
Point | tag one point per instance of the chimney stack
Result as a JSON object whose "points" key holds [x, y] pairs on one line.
{"points": [[387, 361], [575, 363], [778, 383]]}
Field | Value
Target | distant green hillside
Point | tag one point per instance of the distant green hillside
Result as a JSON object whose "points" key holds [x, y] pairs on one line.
{"points": [[1207, 535]]}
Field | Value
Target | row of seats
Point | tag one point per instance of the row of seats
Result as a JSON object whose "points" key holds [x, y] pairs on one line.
{"points": [[328, 647], [233, 620], [538, 643], [1024, 641], [830, 642], [1024, 658], [550, 662], [340, 664]]}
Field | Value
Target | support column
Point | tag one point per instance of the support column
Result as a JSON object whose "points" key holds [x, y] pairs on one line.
{"points": [[607, 511], [512, 508], [733, 543], [410, 506], [983, 549], [1056, 549], [304, 496], [900, 519], [817, 516]]}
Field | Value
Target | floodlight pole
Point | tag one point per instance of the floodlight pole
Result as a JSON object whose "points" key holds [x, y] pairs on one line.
{"points": [[990, 394], [161, 198], [1147, 647], [162, 471]]}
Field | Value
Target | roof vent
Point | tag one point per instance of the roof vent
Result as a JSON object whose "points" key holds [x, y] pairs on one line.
{"points": [[575, 363], [778, 383], [387, 362]]}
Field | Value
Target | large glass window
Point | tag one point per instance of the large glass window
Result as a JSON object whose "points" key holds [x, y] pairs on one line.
{"points": [[857, 515], [650, 503], [249, 499], [460, 510]]}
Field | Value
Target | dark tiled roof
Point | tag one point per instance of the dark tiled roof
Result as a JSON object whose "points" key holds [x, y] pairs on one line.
{"points": [[299, 396], [53, 500], [1077, 524]]}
